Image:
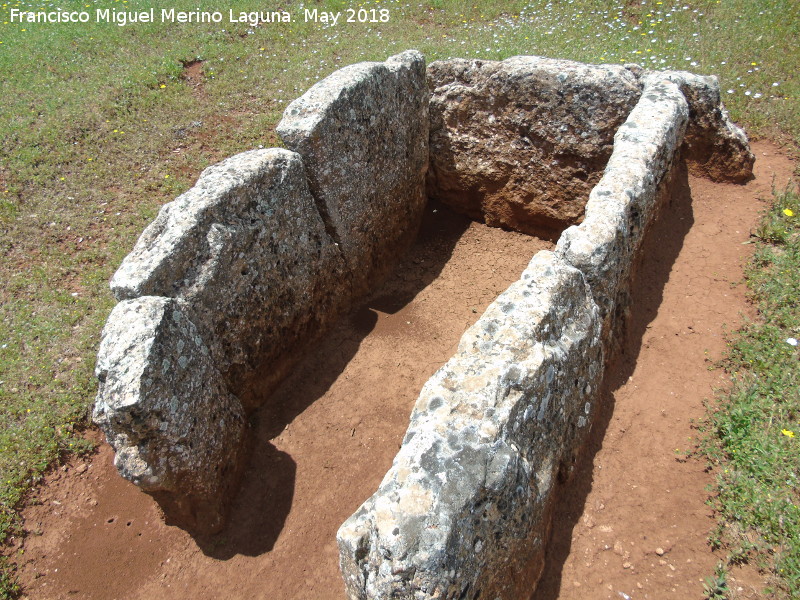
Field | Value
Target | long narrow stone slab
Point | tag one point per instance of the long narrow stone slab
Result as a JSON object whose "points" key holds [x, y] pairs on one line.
{"points": [[462, 512], [624, 202]]}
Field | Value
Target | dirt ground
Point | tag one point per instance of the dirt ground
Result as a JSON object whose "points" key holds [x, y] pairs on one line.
{"points": [[632, 523]]}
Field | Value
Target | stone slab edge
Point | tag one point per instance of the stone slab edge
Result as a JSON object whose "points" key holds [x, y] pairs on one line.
{"points": [[623, 203]]}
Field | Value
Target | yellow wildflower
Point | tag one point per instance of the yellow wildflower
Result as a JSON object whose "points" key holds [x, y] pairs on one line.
{"points": [[788, 212], [787, 433]]}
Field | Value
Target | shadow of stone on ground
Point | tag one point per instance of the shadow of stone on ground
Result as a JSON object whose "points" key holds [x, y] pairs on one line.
{"points": [[260, 508]]}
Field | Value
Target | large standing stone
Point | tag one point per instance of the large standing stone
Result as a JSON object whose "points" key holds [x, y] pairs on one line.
{"points": [[363, 136], [247, 251], [463, 512], [177, 431], [256, 263], [520, 143]]}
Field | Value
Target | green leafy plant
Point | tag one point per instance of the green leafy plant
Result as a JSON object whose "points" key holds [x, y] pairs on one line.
{"points": [[715, 587], [753, 431]]}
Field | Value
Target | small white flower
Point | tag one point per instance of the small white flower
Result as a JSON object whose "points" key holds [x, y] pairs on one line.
{"points": [[791, 341], [730, 91]]}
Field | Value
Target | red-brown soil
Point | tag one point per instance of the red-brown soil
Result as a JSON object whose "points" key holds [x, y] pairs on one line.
{"points": [[328, 437]]}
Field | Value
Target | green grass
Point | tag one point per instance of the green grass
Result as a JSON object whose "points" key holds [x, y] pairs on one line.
{"points": [[754, 433], [99, 127]]}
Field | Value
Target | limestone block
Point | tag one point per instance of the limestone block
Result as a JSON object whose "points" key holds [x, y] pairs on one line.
{"points": [[363, 136], [463, 512], [624, 202], [247, 252], [520, 143], [714, 146], [177, 431]]}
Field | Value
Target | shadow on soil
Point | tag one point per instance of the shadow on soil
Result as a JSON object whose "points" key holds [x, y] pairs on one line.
{"points": [[260, 509], [660, 249]]}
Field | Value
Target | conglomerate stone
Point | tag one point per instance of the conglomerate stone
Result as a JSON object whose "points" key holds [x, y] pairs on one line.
{"points": [[462, 513], [520, 143]]}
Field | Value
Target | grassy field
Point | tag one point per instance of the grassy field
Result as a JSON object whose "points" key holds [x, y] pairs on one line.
{"points": [[101, 124], [754, 431]]}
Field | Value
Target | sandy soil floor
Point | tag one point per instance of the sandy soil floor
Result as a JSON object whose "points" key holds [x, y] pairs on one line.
{"points": [[631, 523]]}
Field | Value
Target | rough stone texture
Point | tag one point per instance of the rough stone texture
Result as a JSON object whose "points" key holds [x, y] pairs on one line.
{"points": [[520, 143], [714, 147], [177, 431], [363, 136], [625, 200], [244, 262], [247, 251], [463, 511], [256, 265], [223, 289]]}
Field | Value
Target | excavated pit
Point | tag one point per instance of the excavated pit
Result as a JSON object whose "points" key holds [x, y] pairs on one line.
{"points": [[329, 433], [226, 290]]}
